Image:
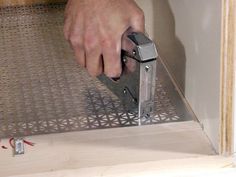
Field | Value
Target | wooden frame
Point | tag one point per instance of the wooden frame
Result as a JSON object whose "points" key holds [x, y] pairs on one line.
{"points": [[91, 153], [227, 76]]}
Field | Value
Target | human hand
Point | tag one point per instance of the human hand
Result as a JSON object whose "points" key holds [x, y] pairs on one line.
{"points": [[96, 28]]}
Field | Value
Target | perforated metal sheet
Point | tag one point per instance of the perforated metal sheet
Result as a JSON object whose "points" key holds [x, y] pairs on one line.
{"points": [[43, 90]]}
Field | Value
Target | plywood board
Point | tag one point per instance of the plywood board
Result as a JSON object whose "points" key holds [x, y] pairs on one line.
{"points": [[107, 147], [192, 167], [228, 57]]}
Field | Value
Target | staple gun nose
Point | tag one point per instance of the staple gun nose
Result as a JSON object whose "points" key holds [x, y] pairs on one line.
{"points": [[136, 86]]}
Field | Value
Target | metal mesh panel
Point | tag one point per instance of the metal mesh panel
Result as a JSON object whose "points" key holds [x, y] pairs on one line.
{"points": [[43, 90]]}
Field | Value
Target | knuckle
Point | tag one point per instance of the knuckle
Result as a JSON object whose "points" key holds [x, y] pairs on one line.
{"points": [[74, 40], [90, 42], [107, 42], [139, 15]]}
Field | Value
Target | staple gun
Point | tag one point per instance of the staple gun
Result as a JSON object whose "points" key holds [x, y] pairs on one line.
{"points": [[136, 86]]}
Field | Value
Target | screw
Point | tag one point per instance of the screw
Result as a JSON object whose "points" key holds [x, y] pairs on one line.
{"points": [[147, 68], [125, 91], [124, 59], [134, 52]]}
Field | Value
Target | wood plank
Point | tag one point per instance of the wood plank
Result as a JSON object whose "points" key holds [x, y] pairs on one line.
{"points": [[108, 147], [228, 55], [191, 167]]}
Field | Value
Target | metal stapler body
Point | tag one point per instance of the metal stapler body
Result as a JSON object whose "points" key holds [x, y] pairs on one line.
{"points": [[136, 86]]}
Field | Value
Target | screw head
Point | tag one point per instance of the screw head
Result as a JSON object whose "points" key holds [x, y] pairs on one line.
{"points": [[147, 68], [124, 59], [134, 52]]}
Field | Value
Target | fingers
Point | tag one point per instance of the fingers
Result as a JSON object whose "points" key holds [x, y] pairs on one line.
{"points": [[86, 24], [66, 29], [80, 56], [93, 51], [137, 21], [67, 20], [76, 42], [73, 32], [111, 57], [94, 63]]}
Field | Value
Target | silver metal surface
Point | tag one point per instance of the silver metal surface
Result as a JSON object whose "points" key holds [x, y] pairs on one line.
{"points": [[43, 90], [18, 148], [136, 86]]}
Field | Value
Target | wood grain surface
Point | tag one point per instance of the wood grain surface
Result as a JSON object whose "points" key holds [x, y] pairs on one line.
{"points": [[107, 147], [227, 75], [190, 167]]}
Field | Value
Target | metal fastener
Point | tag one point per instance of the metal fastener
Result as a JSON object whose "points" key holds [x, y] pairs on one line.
{"points": [[124, 59], [134, 52], [147, 68], [18, 146]]}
